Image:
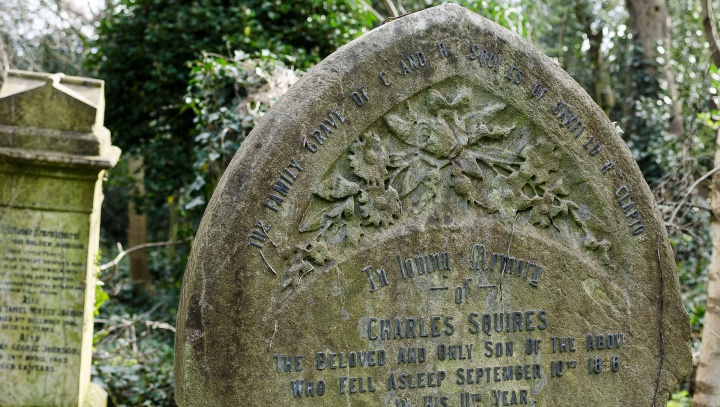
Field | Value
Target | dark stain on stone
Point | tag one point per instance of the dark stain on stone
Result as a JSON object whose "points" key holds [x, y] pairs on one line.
{"points": [[195, 323]]}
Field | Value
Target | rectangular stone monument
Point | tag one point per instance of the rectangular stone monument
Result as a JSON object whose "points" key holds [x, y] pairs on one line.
{"points": [[435, 215], [54, 152]]}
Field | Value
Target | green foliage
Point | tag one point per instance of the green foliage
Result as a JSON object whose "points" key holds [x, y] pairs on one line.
{"points": [[691, 246], [593, 37], [711, 117], [228, 96], [506, 13], [100, 294], [685, 159], [692, 240], [144, 378], [680, 399], [133, 354], [142, 53]]}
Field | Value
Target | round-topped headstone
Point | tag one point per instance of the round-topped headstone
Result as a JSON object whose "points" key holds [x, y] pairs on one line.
{"points": [[435, 215]]}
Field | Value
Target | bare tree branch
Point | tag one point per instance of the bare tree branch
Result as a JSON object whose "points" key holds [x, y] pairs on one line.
{"points": [[401, 8], [44, 35], [372, 10], [689, 191], [124, 253], [390, 6]]}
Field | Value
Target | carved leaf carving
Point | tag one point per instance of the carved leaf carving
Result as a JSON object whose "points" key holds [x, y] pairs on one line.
{"points": [[443, 149]]}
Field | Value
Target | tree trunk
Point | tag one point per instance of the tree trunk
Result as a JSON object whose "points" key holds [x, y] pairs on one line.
{"points": [[650, 23], [711, 34], [707, 379], [137, 229], [602, 91], [174, 226]]}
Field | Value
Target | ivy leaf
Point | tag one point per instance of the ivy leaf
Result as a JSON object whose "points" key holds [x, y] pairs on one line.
{"points": [[322, 216]]}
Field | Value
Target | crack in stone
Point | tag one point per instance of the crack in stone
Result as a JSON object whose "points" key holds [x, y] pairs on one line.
{"points": [[661, 334]]}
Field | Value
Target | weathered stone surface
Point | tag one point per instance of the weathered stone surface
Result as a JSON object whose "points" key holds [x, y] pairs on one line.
{"points": [[55, 101], [438, 208], [54, 152], [96, 396]]}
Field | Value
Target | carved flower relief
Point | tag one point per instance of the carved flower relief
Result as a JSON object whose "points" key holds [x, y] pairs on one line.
{"points": [[439, 140], [369, 160], [441, 136], [446, 131], [377, 203], [548, 206], [446, 127], [442, 151], [379, 206]]}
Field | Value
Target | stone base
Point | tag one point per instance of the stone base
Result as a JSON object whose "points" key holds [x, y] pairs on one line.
{"points": [[96, 396]]}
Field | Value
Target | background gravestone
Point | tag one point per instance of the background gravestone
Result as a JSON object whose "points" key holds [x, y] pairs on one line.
{"points": [[54, 152], [435, 215]]}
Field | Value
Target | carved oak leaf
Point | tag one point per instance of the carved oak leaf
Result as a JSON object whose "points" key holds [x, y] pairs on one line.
{"points": [[322, 216], [431, 184], [544, 162], [303, 259], [432, 134], [551, 205], [336, 187], [467, 161], [544, 210], [506, 196], [411, 169], [477, 127]]}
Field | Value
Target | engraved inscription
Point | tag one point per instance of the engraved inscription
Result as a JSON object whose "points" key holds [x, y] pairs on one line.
{"points": [[456, 246], [494, 363], [40, 267]]}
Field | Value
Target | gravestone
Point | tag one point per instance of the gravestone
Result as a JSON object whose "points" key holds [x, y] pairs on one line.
{"points": [[435, 215], [54, 152]]}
